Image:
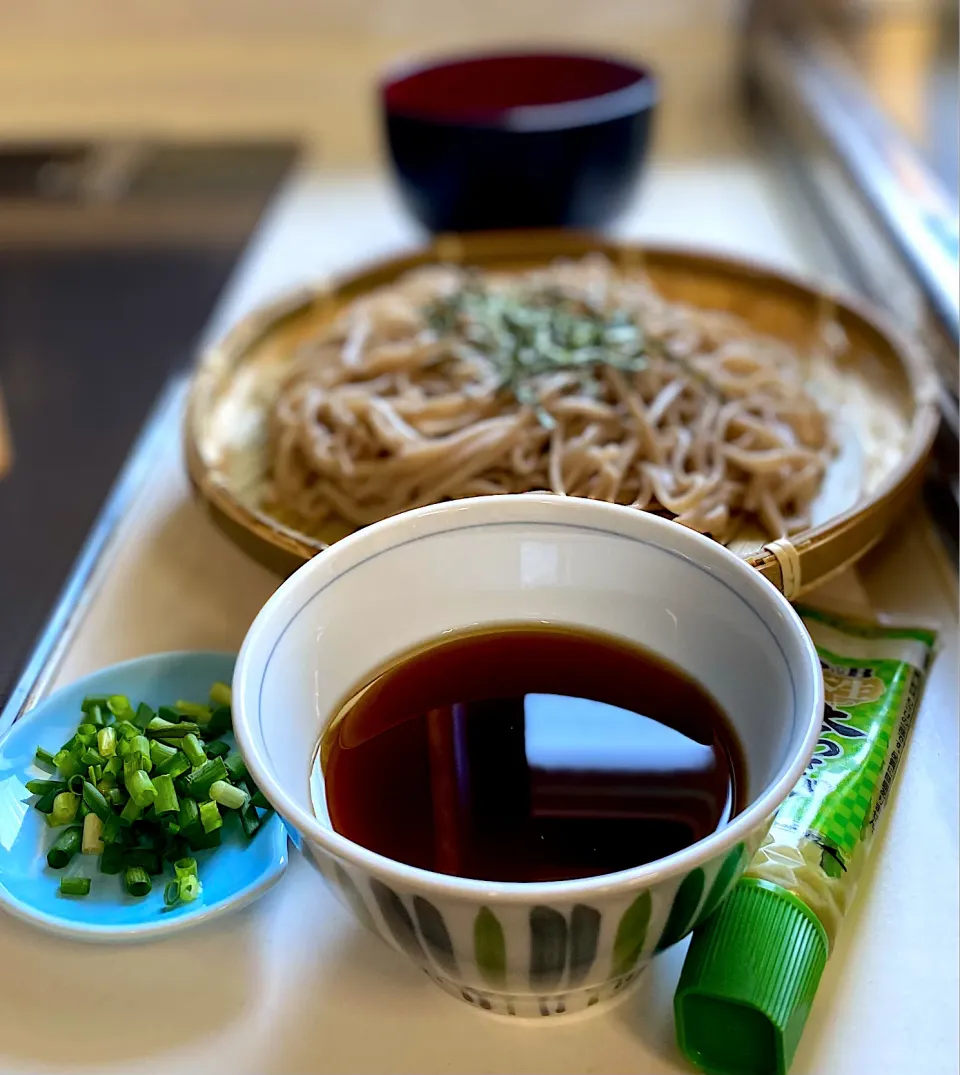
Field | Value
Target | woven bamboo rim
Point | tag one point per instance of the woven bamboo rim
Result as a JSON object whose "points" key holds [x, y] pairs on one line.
{"points": [[807, 560]]}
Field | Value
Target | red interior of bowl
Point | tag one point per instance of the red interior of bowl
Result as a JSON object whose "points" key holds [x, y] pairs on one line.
{"points": [[486, 87]]}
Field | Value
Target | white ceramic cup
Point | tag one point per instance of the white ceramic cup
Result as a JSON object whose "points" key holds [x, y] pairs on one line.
{"points": [[539, 948]]}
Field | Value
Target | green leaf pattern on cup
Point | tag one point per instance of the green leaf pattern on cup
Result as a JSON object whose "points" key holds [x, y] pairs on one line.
{"points": [[548, 948], [684, 907], [435, 935], [726, 875], [490, 948], [398, 920], [354, 899], [631, 935], [561, 953], [584, 935]]}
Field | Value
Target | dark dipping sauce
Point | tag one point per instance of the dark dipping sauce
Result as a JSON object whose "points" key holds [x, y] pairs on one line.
{"points": [[530, 753]]}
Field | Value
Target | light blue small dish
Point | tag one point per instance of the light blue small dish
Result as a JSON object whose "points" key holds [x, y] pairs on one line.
{"points": [[233, 875]]}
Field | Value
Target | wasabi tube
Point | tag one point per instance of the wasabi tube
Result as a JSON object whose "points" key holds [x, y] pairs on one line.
{"points": [[820, 837], [755, 965]]}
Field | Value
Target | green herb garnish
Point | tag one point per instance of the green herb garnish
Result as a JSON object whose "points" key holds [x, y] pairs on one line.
{"points": [[526, 334]]}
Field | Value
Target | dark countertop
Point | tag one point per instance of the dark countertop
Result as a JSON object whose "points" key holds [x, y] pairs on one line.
{"points": [[102, 295]]}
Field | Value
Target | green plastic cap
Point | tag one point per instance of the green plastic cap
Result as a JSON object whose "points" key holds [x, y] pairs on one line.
{"points": [[748, 982]]}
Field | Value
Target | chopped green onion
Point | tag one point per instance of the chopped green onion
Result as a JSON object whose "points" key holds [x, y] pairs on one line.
{"points": [[175, 742], [203, 841], [193, 749], [160, 753], [135, 823], [166, 796], [119, 705], [111, 861], [189, 888], [176, 848], [68, 763], [144, 715], [189, 815], [236, 767], [96, 803], [111, 829], [144, 858], [161, 729], [186, 867], [136, 881], [141, 789], [62, 850], [42, 787], [156, 839], [44, 759], [177, 765], [45, 803], [74, 886], [162, 724], [210, 817], [65, 806], [130, 769], [197, 784], [92, 840], [140, 749], [107, 742], [221, 695], [249, 820], [227, 795], [220, 722], [200, 713]]}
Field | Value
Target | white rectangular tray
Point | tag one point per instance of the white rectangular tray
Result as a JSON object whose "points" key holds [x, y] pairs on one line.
{"points": [[293, 984]]}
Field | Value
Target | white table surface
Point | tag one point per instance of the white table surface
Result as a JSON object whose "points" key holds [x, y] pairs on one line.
{"points": [[293, 984]]}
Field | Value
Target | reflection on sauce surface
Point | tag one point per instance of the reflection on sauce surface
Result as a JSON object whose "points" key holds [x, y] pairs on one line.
{"points": [[530, 753]]}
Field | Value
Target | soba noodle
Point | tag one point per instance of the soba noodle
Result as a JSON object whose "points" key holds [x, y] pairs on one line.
{"points": [[576, 379]]}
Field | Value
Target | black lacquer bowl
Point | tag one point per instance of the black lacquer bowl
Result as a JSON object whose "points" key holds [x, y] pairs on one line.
{"points": [[517, 140]]}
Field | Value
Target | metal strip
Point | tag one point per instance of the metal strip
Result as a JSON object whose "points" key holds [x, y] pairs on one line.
{"points": [[92, 564], [833, 144], [6, 440], [790, 57]]}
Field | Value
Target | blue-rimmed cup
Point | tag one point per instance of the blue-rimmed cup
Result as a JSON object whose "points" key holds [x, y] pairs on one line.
{"points": [[540, 948]]}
